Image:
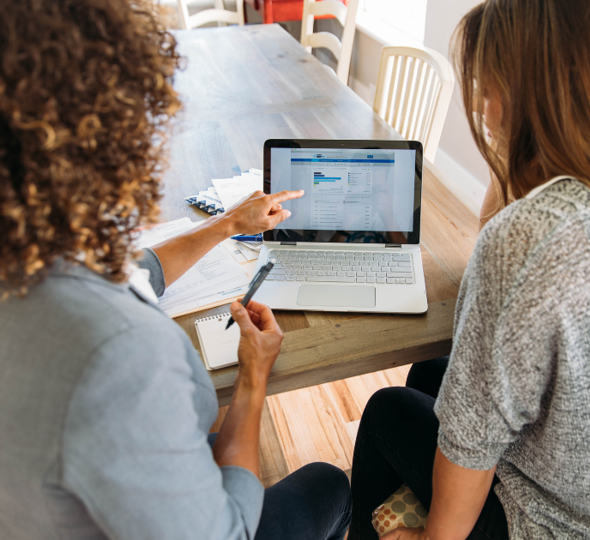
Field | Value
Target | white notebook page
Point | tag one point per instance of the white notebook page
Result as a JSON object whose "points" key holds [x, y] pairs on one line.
{"points": [[219, 346]]}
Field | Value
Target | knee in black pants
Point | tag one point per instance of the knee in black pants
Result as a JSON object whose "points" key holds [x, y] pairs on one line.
{"points": [[312, 502], [392, 407], [322, 475], [426, 377], [329, 484]]}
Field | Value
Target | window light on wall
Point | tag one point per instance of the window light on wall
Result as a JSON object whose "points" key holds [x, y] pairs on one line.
{"points": [[407, 16]]}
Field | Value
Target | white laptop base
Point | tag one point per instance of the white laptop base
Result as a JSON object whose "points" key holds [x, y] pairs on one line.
{"points": [[360, 277]]}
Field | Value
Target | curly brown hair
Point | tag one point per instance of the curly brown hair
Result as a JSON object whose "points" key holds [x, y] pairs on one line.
{"points": [[85, 98]]}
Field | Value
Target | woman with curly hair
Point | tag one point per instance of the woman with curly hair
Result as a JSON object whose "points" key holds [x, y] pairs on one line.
{"points": [[105, 404], [495, 440]]}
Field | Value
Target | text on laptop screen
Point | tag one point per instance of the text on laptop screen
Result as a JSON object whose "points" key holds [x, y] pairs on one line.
{"points": [[346, 190]]}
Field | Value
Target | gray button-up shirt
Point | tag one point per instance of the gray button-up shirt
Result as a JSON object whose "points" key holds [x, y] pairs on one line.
{"points": [[105, 407]]}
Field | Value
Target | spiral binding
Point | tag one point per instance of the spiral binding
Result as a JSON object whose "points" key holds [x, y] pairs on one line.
{"points": [[213, 317]]}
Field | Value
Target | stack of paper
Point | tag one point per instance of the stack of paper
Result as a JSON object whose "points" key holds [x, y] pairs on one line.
{"points": [[232, 190], [207, 200], [216, 277], [249, 250]]}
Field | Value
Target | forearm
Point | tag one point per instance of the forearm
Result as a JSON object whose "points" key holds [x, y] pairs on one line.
{"points": [[457, 499], [182, 252], [254, 214], [238, 439]]}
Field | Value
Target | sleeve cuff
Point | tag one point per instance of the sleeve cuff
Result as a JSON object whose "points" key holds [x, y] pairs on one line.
{"points": [[247, 492], [151, 262], [478, 459]]}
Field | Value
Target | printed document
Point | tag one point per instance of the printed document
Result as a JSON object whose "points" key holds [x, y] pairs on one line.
{"points": [[233, 190], [215, 277]]}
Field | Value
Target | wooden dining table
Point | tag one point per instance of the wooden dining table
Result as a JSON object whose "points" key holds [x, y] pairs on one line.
{"points": [[243, 85]]}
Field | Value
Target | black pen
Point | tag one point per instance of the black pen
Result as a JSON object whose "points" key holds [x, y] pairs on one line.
{"points": [[256, 282]]}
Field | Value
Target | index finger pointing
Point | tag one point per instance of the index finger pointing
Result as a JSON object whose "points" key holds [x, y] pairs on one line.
{"points": [[285, 196]]}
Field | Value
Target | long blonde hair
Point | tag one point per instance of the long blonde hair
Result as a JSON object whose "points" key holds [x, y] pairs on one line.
{"points": [[536, 54]]}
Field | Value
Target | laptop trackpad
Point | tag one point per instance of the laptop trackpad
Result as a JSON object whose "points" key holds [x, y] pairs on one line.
{"points": [[357, 296]]}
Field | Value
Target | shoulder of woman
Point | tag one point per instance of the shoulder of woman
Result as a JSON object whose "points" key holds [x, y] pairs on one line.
{"points": [[527, 223]]}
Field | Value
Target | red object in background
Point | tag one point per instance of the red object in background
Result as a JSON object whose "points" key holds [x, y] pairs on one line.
{"points": [[282, 10]]}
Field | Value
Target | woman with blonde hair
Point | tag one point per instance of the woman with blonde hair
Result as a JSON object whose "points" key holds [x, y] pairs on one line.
{"points": [[105, 406], [495, 440]]}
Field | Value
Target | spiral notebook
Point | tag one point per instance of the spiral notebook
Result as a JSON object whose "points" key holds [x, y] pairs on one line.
{"points": [[218, 345]]}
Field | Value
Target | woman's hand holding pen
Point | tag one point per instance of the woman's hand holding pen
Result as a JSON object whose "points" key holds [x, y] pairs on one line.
{"points": [[260, 341], [258, 212], [237, 443]]}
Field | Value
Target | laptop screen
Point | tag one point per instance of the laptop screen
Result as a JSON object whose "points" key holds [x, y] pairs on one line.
{"points": [[351, 194]]}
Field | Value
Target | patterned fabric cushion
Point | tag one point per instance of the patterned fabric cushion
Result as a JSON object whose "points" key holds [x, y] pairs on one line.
{"points": [[402, 509]]}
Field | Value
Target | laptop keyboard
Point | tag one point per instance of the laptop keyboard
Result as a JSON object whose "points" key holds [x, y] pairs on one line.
{"points": [[341, 267]]}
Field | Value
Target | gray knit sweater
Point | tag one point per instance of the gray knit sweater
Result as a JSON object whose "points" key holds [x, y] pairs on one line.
{"points": [[517, 389]]}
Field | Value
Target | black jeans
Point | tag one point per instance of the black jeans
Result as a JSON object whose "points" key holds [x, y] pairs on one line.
{"points": [[396, 444], [312, 503]]}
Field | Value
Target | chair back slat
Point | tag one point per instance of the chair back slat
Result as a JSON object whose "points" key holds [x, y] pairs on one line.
{"points": [[393, 75], [327, 41], [399, 90], [422, 98], [408, 97], [418, 105]]}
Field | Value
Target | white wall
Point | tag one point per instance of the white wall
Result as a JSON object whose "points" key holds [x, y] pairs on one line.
{"points": [[442, 17], [364, 66]]}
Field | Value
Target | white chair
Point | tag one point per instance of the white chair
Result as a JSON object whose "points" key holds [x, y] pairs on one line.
{"points": [[414, 92], [217, 14], [342, 50]]}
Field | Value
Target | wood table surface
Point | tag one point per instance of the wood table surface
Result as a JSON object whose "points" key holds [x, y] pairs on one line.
{"points": [[243, 85]]}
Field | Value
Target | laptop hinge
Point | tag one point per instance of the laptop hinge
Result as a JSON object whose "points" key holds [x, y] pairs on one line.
{"points": [[393, 246], [288, 243]]}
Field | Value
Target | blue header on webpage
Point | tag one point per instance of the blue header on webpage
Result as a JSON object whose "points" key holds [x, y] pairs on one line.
{"points": [[330, 160]]}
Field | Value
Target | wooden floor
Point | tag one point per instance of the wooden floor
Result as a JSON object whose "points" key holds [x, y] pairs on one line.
{"points": [[315, 424]]}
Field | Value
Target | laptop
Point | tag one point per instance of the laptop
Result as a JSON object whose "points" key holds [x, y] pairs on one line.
{"points": [[352, 242]]}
